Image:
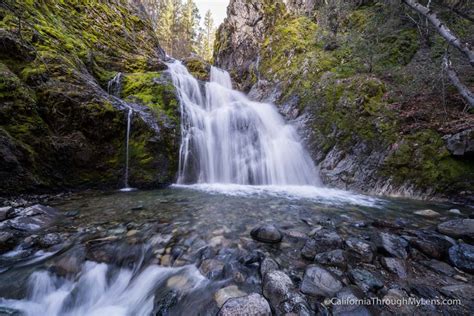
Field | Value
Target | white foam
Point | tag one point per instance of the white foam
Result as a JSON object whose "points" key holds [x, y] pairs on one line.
{"points": [[291, 192]]}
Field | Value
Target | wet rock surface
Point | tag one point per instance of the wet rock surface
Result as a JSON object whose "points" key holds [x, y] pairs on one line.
{"points": [[267, 234]]}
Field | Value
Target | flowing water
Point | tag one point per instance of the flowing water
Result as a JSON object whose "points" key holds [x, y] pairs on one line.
{"points": [[227, 138], [138, 253]]}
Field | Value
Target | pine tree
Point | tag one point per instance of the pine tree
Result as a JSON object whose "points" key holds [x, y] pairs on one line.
{"points": [[189, 25], [209, 36], [166, 25]]}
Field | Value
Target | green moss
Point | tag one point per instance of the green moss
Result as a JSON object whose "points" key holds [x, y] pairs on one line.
{"points": [[423, 159], [198, 68], [151, 90]]}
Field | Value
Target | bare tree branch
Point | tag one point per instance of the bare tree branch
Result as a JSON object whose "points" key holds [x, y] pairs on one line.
{"points": [[442, 29], [453, 76]]}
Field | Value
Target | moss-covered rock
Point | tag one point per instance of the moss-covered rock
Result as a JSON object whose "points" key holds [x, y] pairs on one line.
{"points": [[58, 126]]}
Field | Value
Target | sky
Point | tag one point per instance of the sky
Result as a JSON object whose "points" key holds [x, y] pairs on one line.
{"points": [[217, 7]]}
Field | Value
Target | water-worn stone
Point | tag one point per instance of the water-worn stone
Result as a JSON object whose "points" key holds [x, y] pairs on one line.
{"points": [[460, 291], [462, 256], [267, 265], [439, 266], [32, 218], [7, 241], [458, 228], [212, 268], [432, 245], [365, 280], [4, 211], [391, 244], [250, 305], [277, 287], [337, 258], [267, 234], [395, 265], [226, 293], [348, 294], [363, 249], [49, 240], [323, 240], [318, 281], [427, 213]]}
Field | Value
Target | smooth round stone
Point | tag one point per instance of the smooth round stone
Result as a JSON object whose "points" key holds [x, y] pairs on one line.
{"points": [[427, 213], [227, 293], [267, 233], [318, 281]]}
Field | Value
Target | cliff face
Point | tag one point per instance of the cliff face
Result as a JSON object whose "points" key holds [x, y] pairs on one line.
{"points": [[362, 86], [59, 127]]}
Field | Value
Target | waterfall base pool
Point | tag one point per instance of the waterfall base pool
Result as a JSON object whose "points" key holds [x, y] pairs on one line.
{"points": [[173, 251]]}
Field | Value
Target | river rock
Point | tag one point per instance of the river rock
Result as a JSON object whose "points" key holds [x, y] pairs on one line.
{"points": [[267, 265], [363, 249], [227, 293], [277, 287], [458, 228], [460, 291], [348, 294], [432, 245], [267, 234], [323, 240], [455, 211], [4, 211], [427, 213], [392, 244], [394, 265], [49, 240], [212, 268], [318, 281], [250, 305], [365, 280], [337, 258], [32, 218], [439, 266], [7, 241], [462, 256]]}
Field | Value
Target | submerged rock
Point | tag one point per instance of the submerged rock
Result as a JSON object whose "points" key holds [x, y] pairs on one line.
{"points": [[250, 305], [212, 268], [462, 256], [427, 213], [267, 234], [32, 218], [458, 228], [318, 281], [7, 241], [227, 293]]}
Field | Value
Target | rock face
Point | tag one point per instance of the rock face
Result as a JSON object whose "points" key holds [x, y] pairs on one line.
{"points": [[297, 54], [253, 304], [58, 125]]}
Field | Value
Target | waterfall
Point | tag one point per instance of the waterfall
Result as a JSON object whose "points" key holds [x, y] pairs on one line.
{"points": [[227, 138], [114, 87]]}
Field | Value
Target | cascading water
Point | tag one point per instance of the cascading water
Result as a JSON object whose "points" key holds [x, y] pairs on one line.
{"points": [[227, 138], [114, 87]]}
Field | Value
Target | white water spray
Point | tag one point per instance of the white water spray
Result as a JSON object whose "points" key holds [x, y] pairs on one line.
{"points": [[227, 138]]}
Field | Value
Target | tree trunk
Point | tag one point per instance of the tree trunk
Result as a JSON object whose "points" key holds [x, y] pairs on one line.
{"points": [[453, 76], [442, 29]]}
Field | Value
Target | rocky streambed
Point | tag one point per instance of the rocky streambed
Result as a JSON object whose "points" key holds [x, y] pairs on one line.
{"points": [[195, 250]]}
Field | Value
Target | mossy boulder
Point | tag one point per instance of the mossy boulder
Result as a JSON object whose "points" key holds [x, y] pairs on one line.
{"points": [[59, 128]]}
